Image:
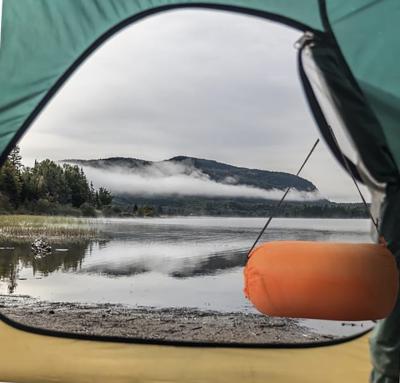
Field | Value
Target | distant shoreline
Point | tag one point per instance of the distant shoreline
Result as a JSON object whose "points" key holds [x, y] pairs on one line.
{"points": [[232, 207], [53, 228]]}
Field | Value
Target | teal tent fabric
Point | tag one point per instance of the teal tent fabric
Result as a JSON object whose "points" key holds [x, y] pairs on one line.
{"points": [[368, 35], [42, 39]]}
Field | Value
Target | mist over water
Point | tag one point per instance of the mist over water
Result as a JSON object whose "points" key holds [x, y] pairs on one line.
{"points": [[180, 179]]}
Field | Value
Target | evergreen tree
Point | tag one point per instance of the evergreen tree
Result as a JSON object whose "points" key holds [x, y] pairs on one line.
{"points": [[77, 184], [47, 185], [10, 178], [104, 197], [15, 158]]}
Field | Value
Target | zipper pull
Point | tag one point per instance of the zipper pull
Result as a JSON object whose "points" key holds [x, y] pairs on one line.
{"points": [[308, 38]]}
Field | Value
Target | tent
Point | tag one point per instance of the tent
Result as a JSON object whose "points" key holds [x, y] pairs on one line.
{"points": [[348, 62]]}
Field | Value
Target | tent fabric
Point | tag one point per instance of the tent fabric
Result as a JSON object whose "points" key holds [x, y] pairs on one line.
{"points": [[367, 33], [42, 39], [54, 36], [351, 107], [33, 358]]}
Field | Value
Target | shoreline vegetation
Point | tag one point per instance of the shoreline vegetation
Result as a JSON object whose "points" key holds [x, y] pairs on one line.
{"points": [[51, 189], [30, 227]]}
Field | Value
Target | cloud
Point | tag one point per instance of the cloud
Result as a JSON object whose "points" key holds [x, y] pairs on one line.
{"points": [[200, 83], [172, 259], [180, 179]]}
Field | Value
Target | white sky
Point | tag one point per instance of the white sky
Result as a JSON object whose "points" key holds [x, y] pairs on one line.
{"points": [[200, 83]]}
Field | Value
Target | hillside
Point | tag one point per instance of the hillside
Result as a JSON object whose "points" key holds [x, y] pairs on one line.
{"points": [[192, 186], [216, 171]]}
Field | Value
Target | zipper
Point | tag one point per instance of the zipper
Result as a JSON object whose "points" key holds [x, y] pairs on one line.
{"points": [[308, 39]]}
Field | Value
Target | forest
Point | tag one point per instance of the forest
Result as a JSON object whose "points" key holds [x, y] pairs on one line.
{"points": [[48, 188]]}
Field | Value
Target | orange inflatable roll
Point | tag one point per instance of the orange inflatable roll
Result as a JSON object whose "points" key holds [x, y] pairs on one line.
{"points": [[322, 280]]}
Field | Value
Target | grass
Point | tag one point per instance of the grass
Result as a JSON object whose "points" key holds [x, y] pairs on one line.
{"points": [[31, 226]]}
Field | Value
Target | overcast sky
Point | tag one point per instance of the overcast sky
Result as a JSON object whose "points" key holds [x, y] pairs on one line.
{"points": [[199, 83]]}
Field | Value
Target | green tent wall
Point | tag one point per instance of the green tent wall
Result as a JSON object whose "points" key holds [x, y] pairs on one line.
{"points": [[356, 49], [44, 41]]}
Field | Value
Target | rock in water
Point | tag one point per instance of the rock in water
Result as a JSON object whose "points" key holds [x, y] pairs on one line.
{"points": [[40, 247]]}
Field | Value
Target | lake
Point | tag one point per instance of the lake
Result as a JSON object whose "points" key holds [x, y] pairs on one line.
{"points": [[161, 262]]}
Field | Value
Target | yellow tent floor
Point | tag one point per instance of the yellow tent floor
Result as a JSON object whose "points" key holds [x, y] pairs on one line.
{"points": [[34, 358]]}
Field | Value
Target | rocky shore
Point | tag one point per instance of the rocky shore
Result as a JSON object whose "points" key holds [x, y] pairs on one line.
{"points": [[171, 324]]}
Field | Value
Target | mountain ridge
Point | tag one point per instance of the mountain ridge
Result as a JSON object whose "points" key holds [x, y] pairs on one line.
{"points": [[143, 188], [216, 171]]}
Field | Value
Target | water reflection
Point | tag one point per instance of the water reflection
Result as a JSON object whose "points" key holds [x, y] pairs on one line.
{"points": [[191, 262], [161, 263], [212, 264], [16, 256]]}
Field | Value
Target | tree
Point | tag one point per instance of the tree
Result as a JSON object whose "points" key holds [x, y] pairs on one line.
{"points": [[15, 158], [47, 186], [77, 184], [47, 180], [104, 198], [10, 178]]}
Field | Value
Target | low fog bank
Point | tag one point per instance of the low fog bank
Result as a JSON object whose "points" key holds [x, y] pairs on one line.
{"points": [[175, 178]]}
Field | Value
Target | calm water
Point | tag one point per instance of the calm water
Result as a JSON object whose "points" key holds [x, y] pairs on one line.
{"points": [[163, 262]]}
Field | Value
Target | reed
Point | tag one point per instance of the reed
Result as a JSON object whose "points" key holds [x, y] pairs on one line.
{"points": [[30, 226]]}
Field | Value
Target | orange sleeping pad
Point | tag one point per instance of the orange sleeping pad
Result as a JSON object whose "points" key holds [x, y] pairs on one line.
{"points": [[322, 280]]}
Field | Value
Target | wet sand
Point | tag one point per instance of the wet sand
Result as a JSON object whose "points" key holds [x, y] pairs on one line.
{"points": [[171, 324]]}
